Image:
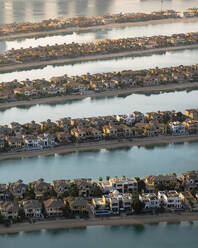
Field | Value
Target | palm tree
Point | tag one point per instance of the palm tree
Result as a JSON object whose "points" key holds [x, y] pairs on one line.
{"points": [[100, 179]]}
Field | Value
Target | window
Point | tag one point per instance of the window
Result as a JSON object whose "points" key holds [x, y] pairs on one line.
{"points": [[114, 204]]}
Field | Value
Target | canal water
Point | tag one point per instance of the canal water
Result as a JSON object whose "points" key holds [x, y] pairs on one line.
{"points": [[161, 235], [138, 31], [174, 58], [132, 162], [179, 101]]}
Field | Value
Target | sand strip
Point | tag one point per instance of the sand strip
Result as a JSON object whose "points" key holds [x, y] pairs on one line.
{"points": [[108, 221]]}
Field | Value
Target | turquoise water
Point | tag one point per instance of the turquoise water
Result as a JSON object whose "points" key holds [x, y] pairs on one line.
{"points": [[129, 161], [160, 235], [102, 106], [147, 30]]}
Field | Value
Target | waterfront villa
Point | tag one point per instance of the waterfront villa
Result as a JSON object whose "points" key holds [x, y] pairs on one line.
{"points": [[112, 203], [190, 180], [192, 113], [150, 200], [77, 205], [189, 201], [177, 128], [40, 187], [9, 209], [123, 184], [61, 186], [18, 188], [119, 202], [31, 208], [191, 126], [151, 181], [53, 207], [85, 186], [170, 199], [31, 142]]}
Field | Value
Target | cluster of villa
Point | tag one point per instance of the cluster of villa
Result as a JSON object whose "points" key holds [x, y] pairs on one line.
{"points": [[63, 23], [73, 50], [114, 196], [100, 82], [47, 134]]}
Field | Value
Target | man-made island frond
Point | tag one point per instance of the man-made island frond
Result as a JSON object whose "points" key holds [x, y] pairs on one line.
{"points": [[82, 23], [71, 134], [102, 49], [56, 89], [128, 197]]}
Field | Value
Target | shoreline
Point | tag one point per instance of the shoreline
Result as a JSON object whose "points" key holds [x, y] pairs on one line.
{"points": [[95, 146], [99, 27], [109, 93], [31, 65], [111, 221]]}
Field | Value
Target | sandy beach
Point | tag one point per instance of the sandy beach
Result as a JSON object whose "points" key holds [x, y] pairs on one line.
{"points": [[94, 146], [26, 66], [107, 221], [141, 90], [99, 27]]}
